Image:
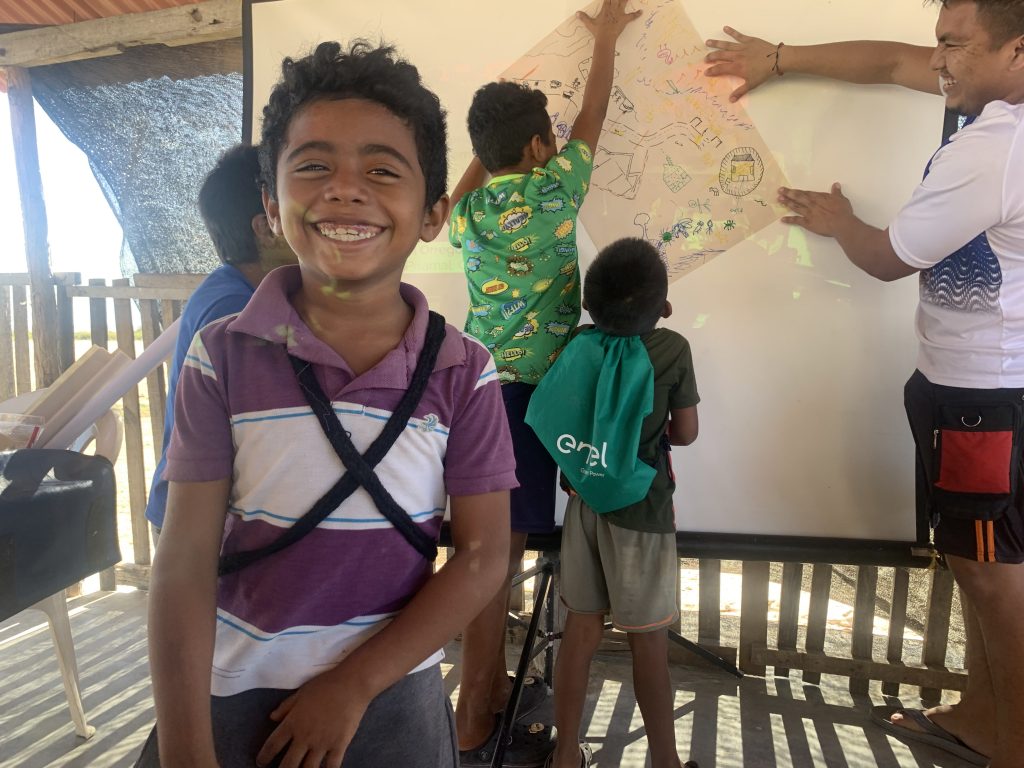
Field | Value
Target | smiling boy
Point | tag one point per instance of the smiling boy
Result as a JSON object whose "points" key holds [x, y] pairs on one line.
{"points": [[327, 651]]}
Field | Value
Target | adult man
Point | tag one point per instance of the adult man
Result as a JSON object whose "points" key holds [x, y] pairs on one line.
{"points": [[231, 204], [963, 230]]}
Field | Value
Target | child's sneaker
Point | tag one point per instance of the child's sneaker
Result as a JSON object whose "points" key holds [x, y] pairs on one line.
{"points": [[531, 746], [586, 755]]}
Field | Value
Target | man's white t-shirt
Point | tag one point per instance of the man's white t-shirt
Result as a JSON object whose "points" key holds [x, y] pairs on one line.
{"points": [[964, 226]]}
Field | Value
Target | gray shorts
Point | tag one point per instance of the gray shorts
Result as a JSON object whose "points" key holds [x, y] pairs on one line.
{"points": [[607, 569], [409, 724]]}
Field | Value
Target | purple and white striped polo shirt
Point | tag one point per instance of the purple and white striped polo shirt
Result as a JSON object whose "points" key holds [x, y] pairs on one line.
{"points": [[239, 413]]}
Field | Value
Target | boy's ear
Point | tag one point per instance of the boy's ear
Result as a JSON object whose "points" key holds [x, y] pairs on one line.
{"points": [[538, 150], [273, 209], [261, 228], [667, 311], [1017, 62], [434, 219]]}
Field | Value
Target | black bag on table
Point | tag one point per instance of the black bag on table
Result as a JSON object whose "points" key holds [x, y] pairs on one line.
{"points": [[58, 523]]}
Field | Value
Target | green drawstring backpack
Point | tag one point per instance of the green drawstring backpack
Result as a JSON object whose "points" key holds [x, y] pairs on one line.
{"points": [[588, 410]]}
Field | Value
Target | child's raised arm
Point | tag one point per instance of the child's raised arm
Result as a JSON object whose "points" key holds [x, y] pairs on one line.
{"points": [[182, 618], [606, 28]]}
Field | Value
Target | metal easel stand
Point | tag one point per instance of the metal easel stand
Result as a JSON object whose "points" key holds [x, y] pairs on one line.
{"points": [[538, 641], [535, 642]]}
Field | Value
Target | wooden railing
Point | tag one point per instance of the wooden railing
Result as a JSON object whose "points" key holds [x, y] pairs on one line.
{"points": [[809, 646]]}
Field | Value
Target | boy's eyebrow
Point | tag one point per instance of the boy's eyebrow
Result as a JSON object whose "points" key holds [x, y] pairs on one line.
{"points": [[319, 145], [385, 149]]}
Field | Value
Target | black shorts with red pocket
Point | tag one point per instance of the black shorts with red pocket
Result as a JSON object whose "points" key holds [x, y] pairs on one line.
{"points": [[969, 468]]}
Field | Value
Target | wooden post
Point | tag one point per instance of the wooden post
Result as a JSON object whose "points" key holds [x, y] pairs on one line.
{"points": [[98, 318], [100, 337], [7, 382], [864, 622], [709, 615], [156, 388], [137, 479], [936, 628], [897, 624], [33, 211], [817, 616], [789, 610], [753, 614], [22, 356], [66, 318]]}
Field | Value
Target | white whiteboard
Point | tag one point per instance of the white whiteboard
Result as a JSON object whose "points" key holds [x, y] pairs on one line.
{"points": [[800, 357]]}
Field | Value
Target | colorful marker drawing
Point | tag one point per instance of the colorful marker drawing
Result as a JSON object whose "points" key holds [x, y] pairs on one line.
{"points": [[676, 157]]}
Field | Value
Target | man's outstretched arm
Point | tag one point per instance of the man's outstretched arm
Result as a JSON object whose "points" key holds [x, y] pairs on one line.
{"points": [[856, 61]]}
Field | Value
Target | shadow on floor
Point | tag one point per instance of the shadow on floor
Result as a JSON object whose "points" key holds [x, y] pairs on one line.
{"points": [[721, 722]]}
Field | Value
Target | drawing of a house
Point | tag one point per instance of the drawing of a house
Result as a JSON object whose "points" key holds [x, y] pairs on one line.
{"points": [[741, 168]]}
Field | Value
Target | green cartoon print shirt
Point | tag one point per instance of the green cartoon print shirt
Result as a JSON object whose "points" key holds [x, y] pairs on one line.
{"points": [[518, 240]]}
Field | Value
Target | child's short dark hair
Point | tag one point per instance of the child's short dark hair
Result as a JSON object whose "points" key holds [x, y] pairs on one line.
{"points": [[364, 72], [626, 287], [228, 200], [502, 119]]}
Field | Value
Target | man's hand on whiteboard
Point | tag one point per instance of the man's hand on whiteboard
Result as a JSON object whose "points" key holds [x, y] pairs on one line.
{"points": [[853, 61], [610, 20], [831, 214], [750, 58], [824, 213]]}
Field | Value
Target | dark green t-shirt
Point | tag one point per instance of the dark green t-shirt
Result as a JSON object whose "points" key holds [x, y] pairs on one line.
{"points": [[675, 387], [518, 241]]}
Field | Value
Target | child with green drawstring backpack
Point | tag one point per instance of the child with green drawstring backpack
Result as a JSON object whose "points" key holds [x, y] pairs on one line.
{"points": [[621, 392]]}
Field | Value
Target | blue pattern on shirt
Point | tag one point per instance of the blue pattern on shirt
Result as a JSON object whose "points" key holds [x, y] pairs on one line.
{"points": [[969, 279]]}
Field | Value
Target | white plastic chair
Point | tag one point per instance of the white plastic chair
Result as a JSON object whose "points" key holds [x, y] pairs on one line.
{"points": [[107, 433]]}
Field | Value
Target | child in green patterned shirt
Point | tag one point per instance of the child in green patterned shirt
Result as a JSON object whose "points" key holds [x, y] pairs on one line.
{"points": [[517, 233]]}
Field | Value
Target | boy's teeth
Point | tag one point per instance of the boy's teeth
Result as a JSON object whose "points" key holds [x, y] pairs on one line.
{"points": [[347, 233]]}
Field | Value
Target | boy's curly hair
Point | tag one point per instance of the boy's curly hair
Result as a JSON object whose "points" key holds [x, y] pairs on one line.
{"points": [[502, 119], [626, 287], [368, 72]]}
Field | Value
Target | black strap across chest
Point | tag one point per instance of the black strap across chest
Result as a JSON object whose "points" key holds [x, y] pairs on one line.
{"points": [[359, 467]]}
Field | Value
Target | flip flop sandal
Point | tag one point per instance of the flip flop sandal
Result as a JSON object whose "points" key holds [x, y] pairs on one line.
{"points": [[531, 745], [535, 693], [586, 755], [932, 734]]}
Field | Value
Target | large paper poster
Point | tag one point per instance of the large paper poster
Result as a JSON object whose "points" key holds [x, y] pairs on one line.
{"points": [[677, 163]]}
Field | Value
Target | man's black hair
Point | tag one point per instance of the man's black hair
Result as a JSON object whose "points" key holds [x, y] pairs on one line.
{"points": [[503, 118], [626, 287], [365, 71], [1002, 19], [228, 200]]}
